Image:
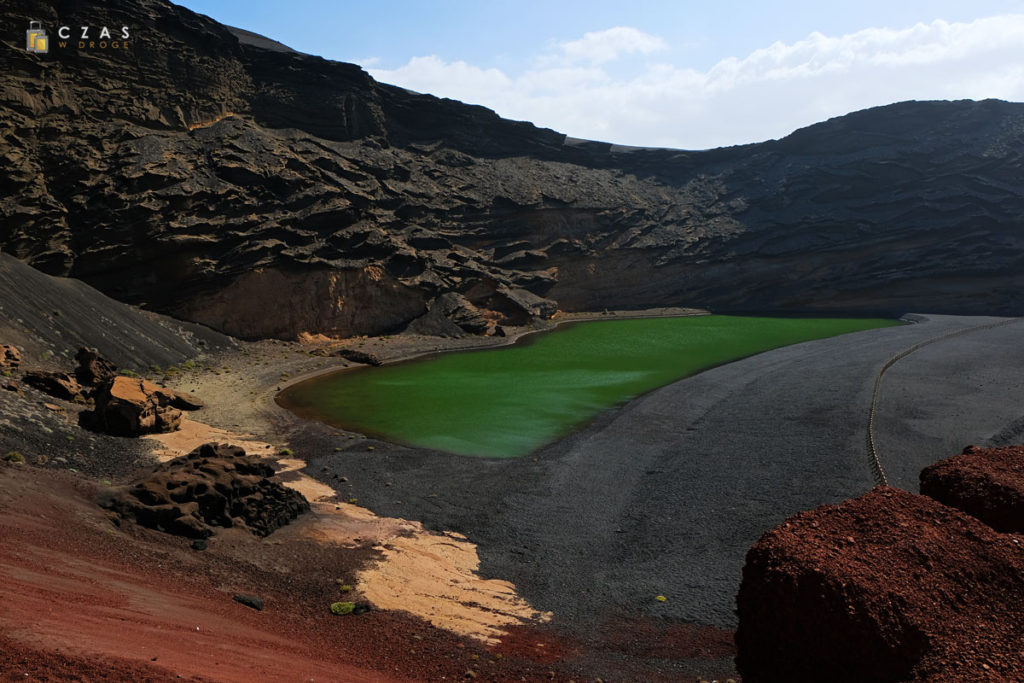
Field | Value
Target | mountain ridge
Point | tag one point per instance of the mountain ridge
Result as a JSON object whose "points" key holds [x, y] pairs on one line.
{"points": [[268, 193]]}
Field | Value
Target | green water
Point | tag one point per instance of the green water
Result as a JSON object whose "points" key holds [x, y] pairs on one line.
{"points": [[507, 402]]}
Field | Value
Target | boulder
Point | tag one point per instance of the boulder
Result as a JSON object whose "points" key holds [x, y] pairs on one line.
{"points": [[57, 384], [985, 483], [357, 356], [451, 315], [183, 401], [10, 359], [890, 586], [130, 406], [93, 369], [216, 485]]}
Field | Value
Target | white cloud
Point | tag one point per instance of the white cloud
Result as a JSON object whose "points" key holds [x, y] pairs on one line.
{"points": [[599, 47], [763, 95]]}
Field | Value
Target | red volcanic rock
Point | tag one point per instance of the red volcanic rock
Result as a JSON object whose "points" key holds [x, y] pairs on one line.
{"points": [[10, 358], [890, 586], [127, 406], [216, 485], [985, 483]]}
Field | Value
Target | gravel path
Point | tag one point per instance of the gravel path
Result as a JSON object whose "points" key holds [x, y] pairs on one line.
{"points": [[665, 495]]}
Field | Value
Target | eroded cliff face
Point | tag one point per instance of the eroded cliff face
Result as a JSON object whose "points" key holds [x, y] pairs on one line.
{"points": [[194, 170], [269, 302]]}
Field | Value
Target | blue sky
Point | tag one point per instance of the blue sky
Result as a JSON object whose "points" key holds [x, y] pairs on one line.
{"points": [[680, 74]]}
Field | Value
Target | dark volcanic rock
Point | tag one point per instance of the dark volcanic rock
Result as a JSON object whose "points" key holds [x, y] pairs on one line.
{"points": [[249, 601], [129, 406], [216, 485], [93, 369], [985, 483], [57, 384], [357, 356], [237, 179], [889, 586], [10, 359]]}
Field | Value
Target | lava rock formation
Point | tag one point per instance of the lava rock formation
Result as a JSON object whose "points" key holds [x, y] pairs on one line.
{"points": [[216, 485]]}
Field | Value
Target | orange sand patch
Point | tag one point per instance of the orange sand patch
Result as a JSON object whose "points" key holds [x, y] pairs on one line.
{"points": [[430, 575], [192, 434]]}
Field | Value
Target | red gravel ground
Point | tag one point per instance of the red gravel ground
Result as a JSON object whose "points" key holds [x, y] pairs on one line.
{"points": [[987, 483], [889, 586], [84, 600]]}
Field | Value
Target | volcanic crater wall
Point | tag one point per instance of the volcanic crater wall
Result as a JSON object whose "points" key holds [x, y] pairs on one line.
{"points": [[198, 165]]}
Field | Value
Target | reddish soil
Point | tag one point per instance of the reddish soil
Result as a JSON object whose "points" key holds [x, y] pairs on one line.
{"points": [[85, 600], [985, 483], [890, 586]]}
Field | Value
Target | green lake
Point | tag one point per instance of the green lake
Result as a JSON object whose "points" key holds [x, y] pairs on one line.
{"points": [[509, 401]]}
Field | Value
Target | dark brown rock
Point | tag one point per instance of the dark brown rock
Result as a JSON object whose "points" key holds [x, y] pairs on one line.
{"points": [[129, 406], [357, 356], [93, 369], [216, 485], [10, 359], [185, 401], [11, 385], [985, 483], [451, 315], [57, 384], [890, 586]]}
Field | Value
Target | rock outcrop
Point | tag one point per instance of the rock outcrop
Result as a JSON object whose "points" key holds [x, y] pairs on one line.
{"points": [[985, 483], [60, 385], [10, 359], [93, 369], [890, 586], [264, 192], [357, 356], [130, 406], [214, 486]]}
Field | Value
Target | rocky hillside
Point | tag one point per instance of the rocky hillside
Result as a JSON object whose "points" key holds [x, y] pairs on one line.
{"points": [[217, 176], [49, 318]]}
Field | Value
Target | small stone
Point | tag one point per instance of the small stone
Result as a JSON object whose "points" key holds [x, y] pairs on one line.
{"points": [[199, 544], [249, 601]]}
